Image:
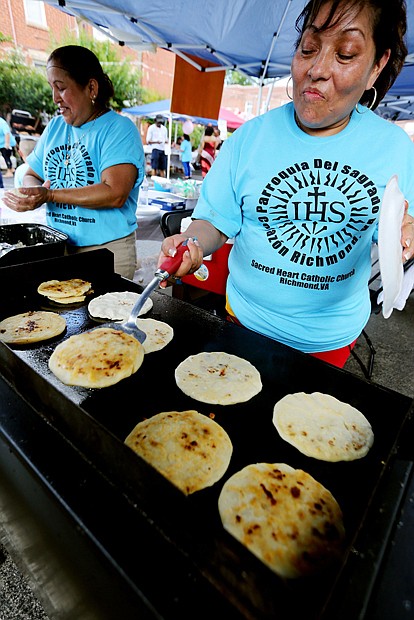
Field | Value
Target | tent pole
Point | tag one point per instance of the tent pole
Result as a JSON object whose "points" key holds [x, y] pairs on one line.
{"points": [[259, 99], [169, 145], [266, 64], [269, 94]]}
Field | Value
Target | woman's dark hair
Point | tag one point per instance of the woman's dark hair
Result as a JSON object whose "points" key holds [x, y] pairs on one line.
{"points": [[186, 137], [208, 131], [389, 25], [82, 65]]}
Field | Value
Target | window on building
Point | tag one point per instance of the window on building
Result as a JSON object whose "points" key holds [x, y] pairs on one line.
{"points": [[35, 13]]}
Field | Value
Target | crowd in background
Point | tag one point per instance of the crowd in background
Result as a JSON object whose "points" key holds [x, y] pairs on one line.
{"points": [[207, 149]]}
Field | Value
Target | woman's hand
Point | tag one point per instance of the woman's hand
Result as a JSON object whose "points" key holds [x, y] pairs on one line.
{"points": [[407, 235], [28, 198], [192, 257]]}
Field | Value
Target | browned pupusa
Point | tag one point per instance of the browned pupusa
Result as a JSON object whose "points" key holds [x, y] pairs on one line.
{"points": [[188, 448], [284, 516], [32, 326], [96, 359], [323, 427], [218, 378]]}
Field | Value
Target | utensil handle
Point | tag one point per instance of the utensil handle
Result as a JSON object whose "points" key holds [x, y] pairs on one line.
{"points": [[170, 265]]}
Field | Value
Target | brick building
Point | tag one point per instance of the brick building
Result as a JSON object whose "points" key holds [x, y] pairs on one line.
{"points": [[34, 27], [28, 24], [246, 100]]}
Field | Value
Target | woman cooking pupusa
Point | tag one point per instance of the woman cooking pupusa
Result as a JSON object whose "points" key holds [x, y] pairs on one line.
{"points": [[300, 187], [88, 164]]}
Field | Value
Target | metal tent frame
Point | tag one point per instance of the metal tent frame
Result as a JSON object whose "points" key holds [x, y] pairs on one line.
{"points": [[254, 37]]}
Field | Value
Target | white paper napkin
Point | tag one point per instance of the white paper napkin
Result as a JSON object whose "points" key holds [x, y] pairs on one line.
{"points": [[389, 247]]}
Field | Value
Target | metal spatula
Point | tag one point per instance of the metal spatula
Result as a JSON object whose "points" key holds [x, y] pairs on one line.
{"points": [[167, 269]]}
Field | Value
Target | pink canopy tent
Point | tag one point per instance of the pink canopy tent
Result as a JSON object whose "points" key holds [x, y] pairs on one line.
{"points": [[164, 107], [233, 120]]}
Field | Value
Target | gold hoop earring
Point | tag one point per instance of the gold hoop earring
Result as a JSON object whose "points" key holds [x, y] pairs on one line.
{"points": [[287, 86], [371, 105]]}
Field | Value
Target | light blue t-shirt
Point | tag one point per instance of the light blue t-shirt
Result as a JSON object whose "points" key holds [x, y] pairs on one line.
{"points": [[75, 157], [303, 212], [4, 130], [186, 150]]}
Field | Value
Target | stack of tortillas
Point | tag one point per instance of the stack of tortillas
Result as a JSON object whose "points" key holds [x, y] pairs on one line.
{"points": [[323, 427], [218, 378], [33, 326], [97, 358], [188, 448], [65, 291], [284, 516]]}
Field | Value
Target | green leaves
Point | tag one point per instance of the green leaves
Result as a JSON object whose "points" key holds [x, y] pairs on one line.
{"points": [[23, 87], [123, 72]]}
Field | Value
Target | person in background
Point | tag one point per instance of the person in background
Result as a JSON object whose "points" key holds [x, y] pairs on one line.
{"points": [[157, 137], [7, 142], [175, 150], [207, 150], [25, 147], [186, 155], [176, 145], [299, 188], [217, 135], [88, 163]]}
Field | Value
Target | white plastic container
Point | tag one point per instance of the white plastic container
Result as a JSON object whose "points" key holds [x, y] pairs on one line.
{"points": [[143, 192]]}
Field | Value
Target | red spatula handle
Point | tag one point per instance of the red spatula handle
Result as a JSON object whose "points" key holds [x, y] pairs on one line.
{"points": [[170, 265]]}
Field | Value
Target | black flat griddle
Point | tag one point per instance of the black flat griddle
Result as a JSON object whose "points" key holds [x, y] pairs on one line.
{"points": [[97, 422]]}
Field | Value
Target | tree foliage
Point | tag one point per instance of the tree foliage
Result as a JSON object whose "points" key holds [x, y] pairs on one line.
{"points": [[125, 76], [23, 87], [4, 38], [235, 77]]}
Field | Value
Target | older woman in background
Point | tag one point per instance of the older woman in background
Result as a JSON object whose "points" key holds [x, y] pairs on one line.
{"points": [[88, 164]]}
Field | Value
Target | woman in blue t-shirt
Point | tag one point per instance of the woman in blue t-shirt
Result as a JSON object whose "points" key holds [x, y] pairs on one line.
{"points": [[88, 164], [299, 188]]}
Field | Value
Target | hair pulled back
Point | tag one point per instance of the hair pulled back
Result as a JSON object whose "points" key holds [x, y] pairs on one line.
{"points": [[82, 65]]}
